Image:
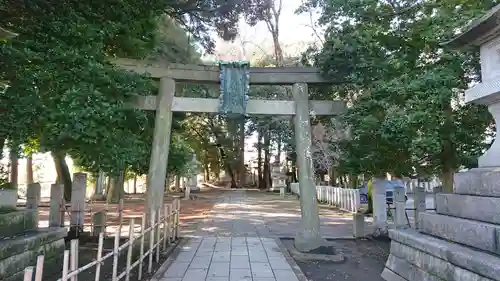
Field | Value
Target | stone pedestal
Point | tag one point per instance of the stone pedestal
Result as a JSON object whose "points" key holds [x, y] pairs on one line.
{"points": [[458, 242]]}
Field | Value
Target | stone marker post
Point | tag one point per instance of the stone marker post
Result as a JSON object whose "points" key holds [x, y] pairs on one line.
{"points": [[359, 225], [400, 207], [78, 201], [419, 202], [33, 198], [379, 207], [437, 189], [56, 201], [99, 223], [308, 237]]}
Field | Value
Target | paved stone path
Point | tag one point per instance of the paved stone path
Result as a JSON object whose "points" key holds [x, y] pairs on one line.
{"points": [[230, 259], [238, 239], [260, 214]]}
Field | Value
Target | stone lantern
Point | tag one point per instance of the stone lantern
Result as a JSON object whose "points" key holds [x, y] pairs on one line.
{"points": [[460, 241]]}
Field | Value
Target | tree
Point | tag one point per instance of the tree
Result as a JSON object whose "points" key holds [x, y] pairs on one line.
{"points": [[407, 115], [60, 83]]}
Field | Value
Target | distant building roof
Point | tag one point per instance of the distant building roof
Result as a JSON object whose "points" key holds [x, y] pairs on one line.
{"points": [[479, 30]]}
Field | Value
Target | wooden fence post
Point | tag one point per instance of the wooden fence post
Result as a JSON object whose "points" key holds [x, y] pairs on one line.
{"points": [[130, 248], [73, 264], [177, 218], [141, 255], [116, 255], [151, 241], [99, 257], [28, 273], [39, 268], [158, 234], [165, 226], [65, 266]]}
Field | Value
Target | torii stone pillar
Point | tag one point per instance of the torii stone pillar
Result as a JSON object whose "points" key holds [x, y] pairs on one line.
{"points": [[308, 238], [161, 144]]}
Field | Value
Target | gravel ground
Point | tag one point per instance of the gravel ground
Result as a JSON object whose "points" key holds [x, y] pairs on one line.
{"points": [[364, 260]]}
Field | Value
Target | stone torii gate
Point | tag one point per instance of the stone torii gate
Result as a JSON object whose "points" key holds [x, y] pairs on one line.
{"points": [[301, 107]]}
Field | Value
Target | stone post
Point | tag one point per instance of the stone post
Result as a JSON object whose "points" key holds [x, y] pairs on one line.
{"points": [[56, 199], [437, 189], [161, 144], [400, 207], [359, 225], [419, 202], [33, 192], [308, 237], [78, 202], [99, 223], [379, 207]]}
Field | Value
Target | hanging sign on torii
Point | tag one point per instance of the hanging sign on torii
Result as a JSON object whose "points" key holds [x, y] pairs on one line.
{"points": [[208, 74]]}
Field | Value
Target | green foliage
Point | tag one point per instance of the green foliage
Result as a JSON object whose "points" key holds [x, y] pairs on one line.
{"points": [[407, 114], [62, 95]]}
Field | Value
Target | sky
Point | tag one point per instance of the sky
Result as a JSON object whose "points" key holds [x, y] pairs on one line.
{"points": [[295, 36], [295, 33]]}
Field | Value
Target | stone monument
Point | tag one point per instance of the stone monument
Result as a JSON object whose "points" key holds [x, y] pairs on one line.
{"points": [[461, 241], [192, 179], [278, 177]]}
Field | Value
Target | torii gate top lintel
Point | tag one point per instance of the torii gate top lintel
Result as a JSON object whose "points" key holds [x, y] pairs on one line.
{"points": [[209, 74]]}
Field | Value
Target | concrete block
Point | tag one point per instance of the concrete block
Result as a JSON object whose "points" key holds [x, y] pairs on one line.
{"points": [[17, 222], [358, 220], [408, 271], [479, 208], [389, 275], [29, 241], [433, 266], [479, 181], [15, 263], [8, 198], [476, 234], [478, 262]]}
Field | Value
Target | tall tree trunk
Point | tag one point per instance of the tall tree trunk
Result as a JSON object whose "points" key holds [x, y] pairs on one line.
{"points": [[135, 183], [63, 173], [14, 166], [116, 188], [448, 152], [232, 175], [242, 167], [259, 160], [267, 168], [278, 152], [177, 183], [2, 145], [29, 169], [206, 169]]}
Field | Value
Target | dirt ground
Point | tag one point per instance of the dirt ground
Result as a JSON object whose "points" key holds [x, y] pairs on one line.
{"points": [[192, 211], [364, 260], [134, 207]]}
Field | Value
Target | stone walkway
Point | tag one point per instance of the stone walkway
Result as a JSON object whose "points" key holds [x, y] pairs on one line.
{"points": [[260, 214], [230, 259], [238, 240]]}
